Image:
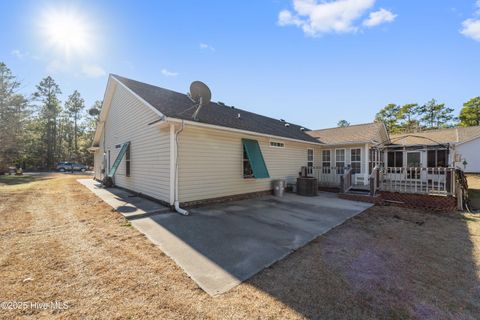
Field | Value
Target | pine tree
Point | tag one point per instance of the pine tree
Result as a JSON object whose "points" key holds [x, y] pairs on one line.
{"points": [[470, 113], [47, 94], [434, 115], [74, 105], [389, 116], [14, 113]]}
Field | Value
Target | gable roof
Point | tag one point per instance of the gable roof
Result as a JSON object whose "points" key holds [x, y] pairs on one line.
{"points": [[178, 105], [440, 136], [357, 133]]}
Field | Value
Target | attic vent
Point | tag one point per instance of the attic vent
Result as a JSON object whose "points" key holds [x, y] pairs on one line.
{"points": [[232, 107], [287, 125], [302, 129], [282, 120], [221, 103]]}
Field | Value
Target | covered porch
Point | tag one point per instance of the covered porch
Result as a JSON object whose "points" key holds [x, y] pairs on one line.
{"points": [[420, 169]]}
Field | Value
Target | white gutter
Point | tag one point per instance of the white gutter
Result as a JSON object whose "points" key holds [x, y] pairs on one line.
{"points": [[174, 170], [212, 126]]}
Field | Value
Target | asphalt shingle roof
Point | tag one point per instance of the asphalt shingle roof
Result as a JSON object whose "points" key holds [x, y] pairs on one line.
{"points": [[432, 137], [357, 133], [178, 105]]}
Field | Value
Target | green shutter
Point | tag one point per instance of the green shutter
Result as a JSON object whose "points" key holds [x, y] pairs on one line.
{"points": [[255, 157], [122, 152]]}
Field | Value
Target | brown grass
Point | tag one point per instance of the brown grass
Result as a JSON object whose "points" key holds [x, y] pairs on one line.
{"points": [[474, 190], [385, 263]]}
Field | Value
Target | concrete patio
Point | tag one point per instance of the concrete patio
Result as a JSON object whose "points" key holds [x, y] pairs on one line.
{"points": [[221, 245]]}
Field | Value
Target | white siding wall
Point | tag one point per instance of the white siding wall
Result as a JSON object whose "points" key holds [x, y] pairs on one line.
{"points": [[470, 151], [128, 120], [210, 163]]}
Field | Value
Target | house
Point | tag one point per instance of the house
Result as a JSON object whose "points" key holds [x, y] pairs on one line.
{"points": [[148, 142], [352, 147], [455, 147]]}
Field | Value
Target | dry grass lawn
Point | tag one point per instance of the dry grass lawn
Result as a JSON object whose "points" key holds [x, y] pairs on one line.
{"points": [[61, 243], [474, 190]]}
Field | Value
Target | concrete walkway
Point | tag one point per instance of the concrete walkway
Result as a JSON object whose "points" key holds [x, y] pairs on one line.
{"points": [[221, 245], [127, 204]]}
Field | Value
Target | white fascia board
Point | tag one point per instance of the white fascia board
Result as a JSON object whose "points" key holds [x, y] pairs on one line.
{"points": [[361, 143], [467, 141], [212, 126]]}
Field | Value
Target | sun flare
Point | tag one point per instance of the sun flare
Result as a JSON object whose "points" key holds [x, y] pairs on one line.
{"points": [[66, 31]]}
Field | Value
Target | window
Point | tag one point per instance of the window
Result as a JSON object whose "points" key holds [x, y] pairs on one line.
{"points": [[253, 163], [309, 161], [395, 159], [437, 158], [356, 160], [127, 161], [326, 157], [276, 144], [247, 168], [340, 160]]}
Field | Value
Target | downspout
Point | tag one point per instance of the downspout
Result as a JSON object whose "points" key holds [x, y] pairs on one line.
{"points": [[175, 197]]}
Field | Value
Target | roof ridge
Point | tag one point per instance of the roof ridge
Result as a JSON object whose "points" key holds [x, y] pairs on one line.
{"points": [[224, 106], [349, 126]]}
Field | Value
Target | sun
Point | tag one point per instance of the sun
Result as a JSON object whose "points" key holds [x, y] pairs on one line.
{"points": [[66, 31]]}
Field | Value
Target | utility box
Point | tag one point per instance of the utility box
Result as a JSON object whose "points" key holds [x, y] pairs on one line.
{"points": [[307, 186]]}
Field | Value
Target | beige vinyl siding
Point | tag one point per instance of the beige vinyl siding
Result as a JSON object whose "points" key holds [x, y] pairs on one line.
{"points": [[128, 120], [210, 163]]}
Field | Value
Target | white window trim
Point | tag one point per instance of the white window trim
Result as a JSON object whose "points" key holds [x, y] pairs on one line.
{"points": [[312, 161], [344, 155], [359, 161], [274, 141], [330, 160]]}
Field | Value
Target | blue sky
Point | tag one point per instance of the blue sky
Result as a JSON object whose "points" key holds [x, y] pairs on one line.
{"points": [[310, 62]]}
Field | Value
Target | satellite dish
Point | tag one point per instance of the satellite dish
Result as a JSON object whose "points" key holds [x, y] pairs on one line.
{"points": [[201, 94]]}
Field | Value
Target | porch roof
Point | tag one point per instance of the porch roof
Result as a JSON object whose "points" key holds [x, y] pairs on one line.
{"points": [[353, 134], [437, 137]]}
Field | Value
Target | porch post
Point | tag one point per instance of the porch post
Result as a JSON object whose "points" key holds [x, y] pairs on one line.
{"points": [[365, 165]]}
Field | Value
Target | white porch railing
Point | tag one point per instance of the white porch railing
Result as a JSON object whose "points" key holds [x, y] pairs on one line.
{"points": [[418, 180], [440, 181], [327, 176]]}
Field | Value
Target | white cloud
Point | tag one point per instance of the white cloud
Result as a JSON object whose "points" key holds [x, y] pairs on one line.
{"points": [[19, 54], [471, 29], [167, 73], [93, 71], [325, 17], [378, 17], [206, 46]]}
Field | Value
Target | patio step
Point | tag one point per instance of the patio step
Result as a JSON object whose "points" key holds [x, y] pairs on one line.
{"points": [[359, 191]]}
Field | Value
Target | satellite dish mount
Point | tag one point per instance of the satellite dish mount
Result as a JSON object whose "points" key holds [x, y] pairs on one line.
{"points": [[201, 95]]}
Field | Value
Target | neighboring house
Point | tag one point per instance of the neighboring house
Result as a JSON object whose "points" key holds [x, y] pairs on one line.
{"points": [[454, 147], [353, 147], [168, 156]]}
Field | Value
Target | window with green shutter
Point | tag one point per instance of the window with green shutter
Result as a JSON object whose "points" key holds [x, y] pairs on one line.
{"points": [[253, 163]]}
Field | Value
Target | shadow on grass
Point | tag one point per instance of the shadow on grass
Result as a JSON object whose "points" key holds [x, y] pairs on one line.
{"points": [[378, 266], [12, 180]]}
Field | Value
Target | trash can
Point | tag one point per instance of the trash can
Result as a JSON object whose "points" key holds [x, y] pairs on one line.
{"points": [[278, 188]]}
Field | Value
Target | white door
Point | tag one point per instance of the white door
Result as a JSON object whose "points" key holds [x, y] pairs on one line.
{"points": [[413, 161]]}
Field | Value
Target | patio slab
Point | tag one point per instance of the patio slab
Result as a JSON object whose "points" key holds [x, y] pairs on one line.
{"points": [[221, 245]]}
